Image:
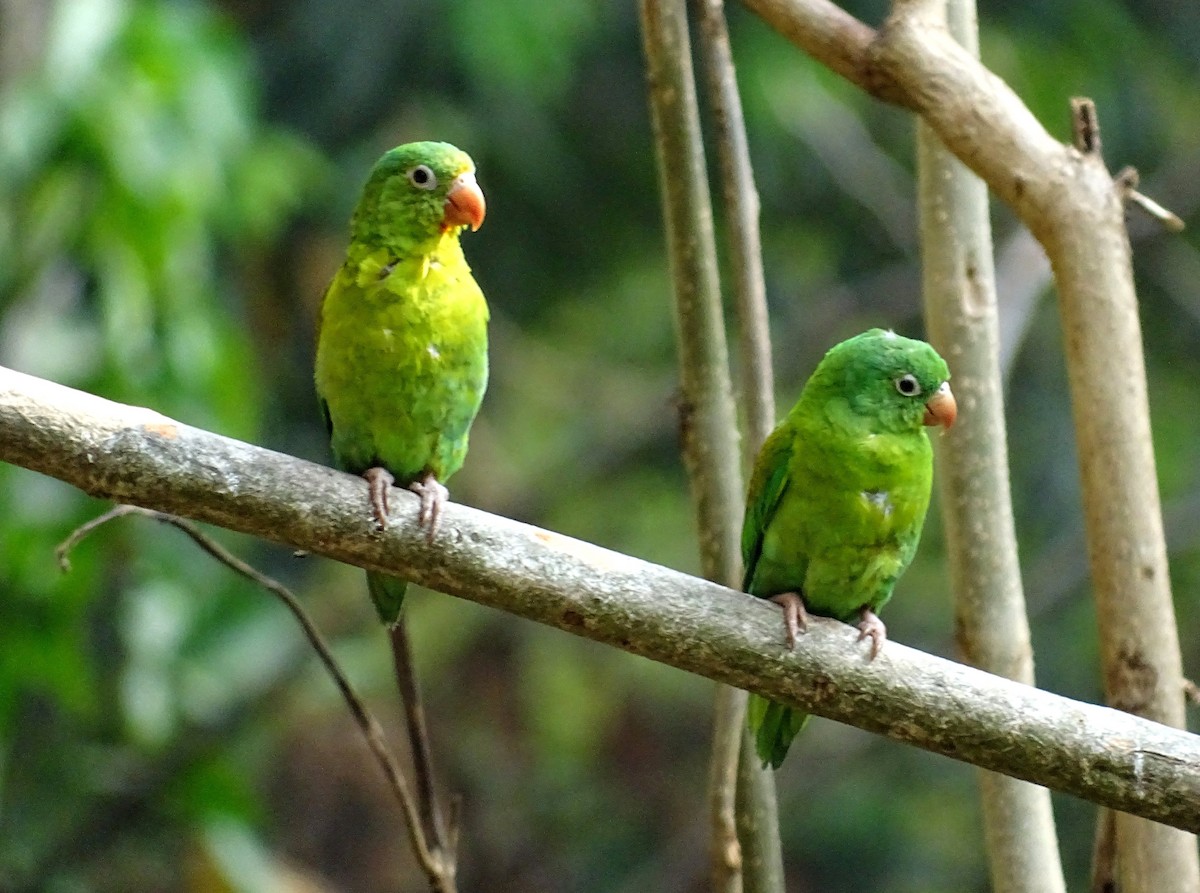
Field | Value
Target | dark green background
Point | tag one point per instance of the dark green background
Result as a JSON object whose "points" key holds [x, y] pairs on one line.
{"points": [[175, 180]]}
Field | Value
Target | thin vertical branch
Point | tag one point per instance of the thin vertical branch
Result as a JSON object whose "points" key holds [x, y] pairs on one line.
{"points": [[742, 793], [726, 851], [1104, 853], [739, 198], [991, 624], [758, 822], [442, 839], [708, 419]]}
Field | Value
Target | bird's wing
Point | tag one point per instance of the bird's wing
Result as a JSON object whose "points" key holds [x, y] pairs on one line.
{"points": [[767, 486]]}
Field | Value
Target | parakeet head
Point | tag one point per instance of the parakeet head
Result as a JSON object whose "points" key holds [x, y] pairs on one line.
{"points": [[416, 193], [891, 382]]}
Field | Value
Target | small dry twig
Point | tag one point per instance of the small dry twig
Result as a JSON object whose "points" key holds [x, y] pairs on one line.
{"points": [[437, 861], [1086, 125], [1127, 182]]}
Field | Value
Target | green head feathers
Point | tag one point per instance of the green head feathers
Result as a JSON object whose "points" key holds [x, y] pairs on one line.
{"points": [[415, 194], [891, 382]]}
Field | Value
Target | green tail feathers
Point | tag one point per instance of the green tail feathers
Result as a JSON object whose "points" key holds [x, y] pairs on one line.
{"points": [[387, 593], [773, 726]]}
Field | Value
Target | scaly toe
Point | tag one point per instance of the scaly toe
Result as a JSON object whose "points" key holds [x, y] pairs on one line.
{"points": [[433, 497], [795, 617], [870, 626], [379, 481]]}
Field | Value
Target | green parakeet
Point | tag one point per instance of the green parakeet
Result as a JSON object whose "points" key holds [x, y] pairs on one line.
{"points": [[838, 497], [401, 362]]}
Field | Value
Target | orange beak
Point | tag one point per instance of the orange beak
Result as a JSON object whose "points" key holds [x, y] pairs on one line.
{"points": [[942, 409], [464, 204]]}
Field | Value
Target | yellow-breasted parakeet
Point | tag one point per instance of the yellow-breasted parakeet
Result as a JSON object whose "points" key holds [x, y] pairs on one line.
{"points": [[401, 361], [838, 497]]}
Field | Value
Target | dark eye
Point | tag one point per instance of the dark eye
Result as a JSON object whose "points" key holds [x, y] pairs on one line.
{"points": [[908, 385], [422, 177]]}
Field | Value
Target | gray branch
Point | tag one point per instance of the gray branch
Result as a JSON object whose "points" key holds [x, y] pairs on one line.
{"points": [[137, 456]]}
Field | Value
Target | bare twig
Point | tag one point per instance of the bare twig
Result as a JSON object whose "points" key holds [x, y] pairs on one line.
{"points": [[1085, 125], [63, 552], [444, 838], [436, 866], [1126, 180], [1169, 219]]}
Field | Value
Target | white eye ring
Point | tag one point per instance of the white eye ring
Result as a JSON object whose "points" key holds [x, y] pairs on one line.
{"points": [[423, 177], [908, 385]]}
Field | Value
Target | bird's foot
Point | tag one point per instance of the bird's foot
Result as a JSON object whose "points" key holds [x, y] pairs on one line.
{"points": [[871, 627], [433, 497], [795, 617], [379, 480]]}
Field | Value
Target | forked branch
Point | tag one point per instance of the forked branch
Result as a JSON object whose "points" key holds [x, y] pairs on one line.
{"points": [[437, 859]]}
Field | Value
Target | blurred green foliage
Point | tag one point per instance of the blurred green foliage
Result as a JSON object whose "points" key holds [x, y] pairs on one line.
{"points": [[174, 183]]}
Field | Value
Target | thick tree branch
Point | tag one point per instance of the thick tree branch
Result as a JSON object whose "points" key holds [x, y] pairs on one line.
{"points": [[141, 457], [913, 61], [834, 38]]}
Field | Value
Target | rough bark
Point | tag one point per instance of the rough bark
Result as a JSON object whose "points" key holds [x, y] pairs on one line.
{"points": [[138, 456]]}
